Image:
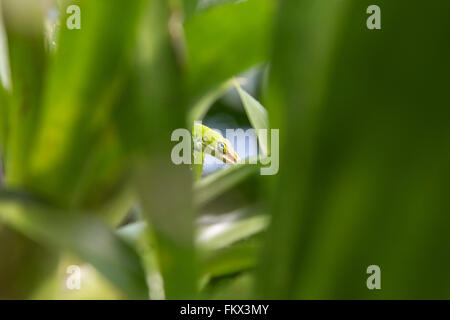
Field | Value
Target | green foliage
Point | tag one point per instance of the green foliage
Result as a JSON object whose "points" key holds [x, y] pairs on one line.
{"points": [[219, 45], [257, 116], [364, 181], [90, 239], [85, 127]]}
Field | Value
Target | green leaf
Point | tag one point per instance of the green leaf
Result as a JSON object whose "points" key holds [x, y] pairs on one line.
{"points": [[189, 6], [257, 115], [201, 107], [142, 238], [215, 184], [25, 264], [234, 228], [158, 108], [87, 237], [27, 71], [228, 244], [5, 73], [364, 153], [74, 157], [226, 40], [238, 287], [233, 259]]}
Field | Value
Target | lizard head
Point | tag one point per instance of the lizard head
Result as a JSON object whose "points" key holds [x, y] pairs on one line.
{"points": [[219, 147]]}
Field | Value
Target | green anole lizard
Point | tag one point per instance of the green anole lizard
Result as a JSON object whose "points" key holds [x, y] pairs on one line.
{"points": [[207, 140]]}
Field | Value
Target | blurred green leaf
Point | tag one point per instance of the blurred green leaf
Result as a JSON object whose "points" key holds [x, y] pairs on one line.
{"points": [[189, 7], [143, 240], [87, 237], [364, 152], [239, 287], [257, 115], [158, 108], [230, 243], [227, 245], [239, 257], [233, 229], [22, 69], [74, 155], [201, 107], [5, 73], [24, 32], [25, 265], [226, 40], [215, 184]]}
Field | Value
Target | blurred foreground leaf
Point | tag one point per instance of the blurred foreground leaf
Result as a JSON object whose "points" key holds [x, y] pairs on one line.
{"points": [[364, 159], [158, 108], [24, 266], [73, 155], [87, 237], [226, 40], [228, 231]]}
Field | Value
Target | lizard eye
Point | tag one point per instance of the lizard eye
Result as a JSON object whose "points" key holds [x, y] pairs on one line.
{"points": [[221, 147]]}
